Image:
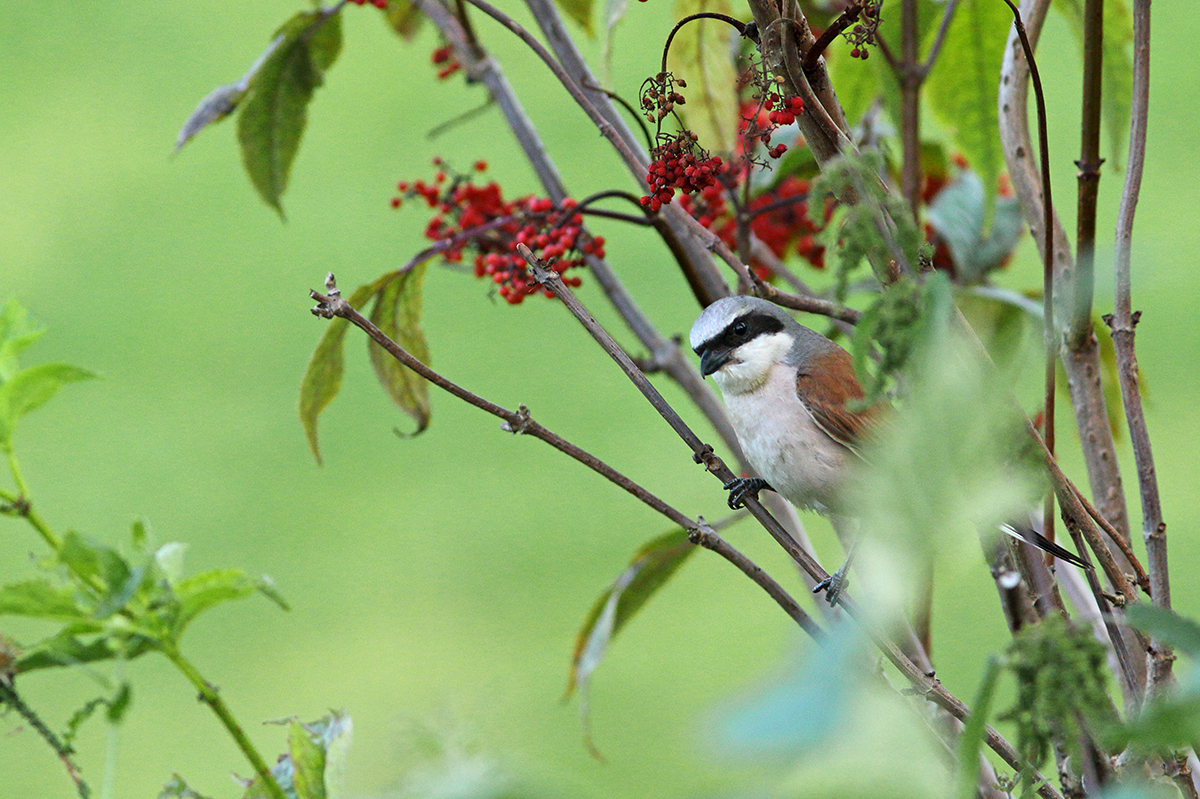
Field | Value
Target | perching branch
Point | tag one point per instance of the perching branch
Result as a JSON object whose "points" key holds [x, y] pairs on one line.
{"points": [[923, 683], [520, 422]]}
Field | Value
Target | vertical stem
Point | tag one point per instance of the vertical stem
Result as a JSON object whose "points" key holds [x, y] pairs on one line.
{"points": [[1079, 322], [911, 77], [1122, 322], [209, 696]]}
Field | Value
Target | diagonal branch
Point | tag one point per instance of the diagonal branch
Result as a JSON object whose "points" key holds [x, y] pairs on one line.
{"points": [[923, 682], [520, 422]]}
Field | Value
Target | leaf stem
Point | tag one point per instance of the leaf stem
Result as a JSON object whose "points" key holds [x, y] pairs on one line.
{"points": [[208, 694]]}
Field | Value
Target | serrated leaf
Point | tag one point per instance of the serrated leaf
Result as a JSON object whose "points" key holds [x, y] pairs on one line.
{"points": [[403, 18], [1117, 80], [580, 11], [323, 377], [397, 313], [649, 570], [700, 54], [963, 87], [957, 214], [40, 599], [273, 117], [205, 590], [31, 388]]}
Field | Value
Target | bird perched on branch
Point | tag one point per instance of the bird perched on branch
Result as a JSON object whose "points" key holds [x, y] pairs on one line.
{"points": [[787, 390]]}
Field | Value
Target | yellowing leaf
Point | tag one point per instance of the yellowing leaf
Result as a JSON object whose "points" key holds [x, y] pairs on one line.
{"points": [[700, 55], [397, 313]]}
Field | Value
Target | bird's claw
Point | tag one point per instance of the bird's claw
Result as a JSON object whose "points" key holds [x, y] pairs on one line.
{"points": [[833, 585], [741, 487]]}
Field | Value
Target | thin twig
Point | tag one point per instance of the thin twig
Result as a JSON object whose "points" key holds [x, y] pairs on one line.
{"points": [[1122, 323], [847, 18], [924, 683], [940, 37], [520, 422], [9, 697], [728, 20]]}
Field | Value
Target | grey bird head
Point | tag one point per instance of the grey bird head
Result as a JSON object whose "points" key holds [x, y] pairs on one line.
{"points": [[739, 338]]}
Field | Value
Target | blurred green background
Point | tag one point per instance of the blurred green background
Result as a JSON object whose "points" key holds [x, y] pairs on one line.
{"points": [[435, 582]]}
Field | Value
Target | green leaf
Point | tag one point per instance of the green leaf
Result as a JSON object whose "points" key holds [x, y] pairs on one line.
{"points": [[89, 559], [957, 214], [1183, 633], [580, 11], [308, 763], [650, 568], [700, 54], [1117, 77], [119, 704], [403, 18], [323, 377], [31, 388], [272, 120], [16, 335], [40, 599], [177, 788], [963, 87], [859, 83], [971, 738], [205, 590], [397, 313], [67, 649]]}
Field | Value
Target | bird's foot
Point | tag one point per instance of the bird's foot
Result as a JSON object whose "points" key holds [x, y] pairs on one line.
{"points": [[741, 487], [834, 584]]}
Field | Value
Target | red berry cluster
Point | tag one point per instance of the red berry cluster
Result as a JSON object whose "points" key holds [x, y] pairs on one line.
{"points": [[863, 34], [679, 163], [478, 218], [780, 220], [380, 4], [443, 58]]}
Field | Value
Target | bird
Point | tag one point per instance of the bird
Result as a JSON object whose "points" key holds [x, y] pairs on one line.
{"points": [[796, 406]]}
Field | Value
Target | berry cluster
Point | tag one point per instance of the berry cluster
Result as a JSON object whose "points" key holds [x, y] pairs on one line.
{"points": [[478, 218], [862, 34], [443, 58], [659, 97], [380, 4], [679, 163]]}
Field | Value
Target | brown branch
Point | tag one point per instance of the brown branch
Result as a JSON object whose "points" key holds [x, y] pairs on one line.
{"points": [[1078, 323], [799, 302], [1122, 323], [1082, 366], [741, 29], [923, 683], [520, 422], [844, 20]]}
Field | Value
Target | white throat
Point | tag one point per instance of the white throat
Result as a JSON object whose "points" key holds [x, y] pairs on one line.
{"points": [[747, 370]]}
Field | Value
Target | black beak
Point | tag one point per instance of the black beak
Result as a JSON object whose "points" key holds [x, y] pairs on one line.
{"points": [[713, 359]]}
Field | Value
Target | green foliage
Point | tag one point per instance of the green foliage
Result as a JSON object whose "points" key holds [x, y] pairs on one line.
{"points": [[700, 56], [580, 11], [111, 606], [312, 766], [403, 18], [25, 390], [177, 788], [971, 739], [273, 117], [1061, 678], [1117, 69], [962, 87], [397, 312], [958, 214], [876, 226], [649, 570]]}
